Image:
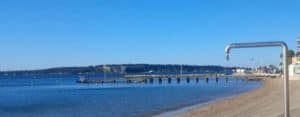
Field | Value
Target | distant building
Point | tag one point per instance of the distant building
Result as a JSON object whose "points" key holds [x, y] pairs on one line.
{"points": [[240, 70], [267, 70], [294, 68]]}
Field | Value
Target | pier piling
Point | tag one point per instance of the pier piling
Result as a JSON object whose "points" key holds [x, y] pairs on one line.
{"points": [[160, 80], [187, 80], [197, 80], [178, 80], [169, 80], [151, 80]]}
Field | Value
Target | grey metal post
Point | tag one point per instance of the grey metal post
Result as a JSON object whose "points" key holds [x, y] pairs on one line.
{"points": [[284, 47]]}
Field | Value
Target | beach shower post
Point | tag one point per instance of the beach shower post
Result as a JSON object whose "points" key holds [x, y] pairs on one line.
{"points": [[284, 47]]}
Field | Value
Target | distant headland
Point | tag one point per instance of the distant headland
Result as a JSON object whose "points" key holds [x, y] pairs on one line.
{"points": [[127, 68]]}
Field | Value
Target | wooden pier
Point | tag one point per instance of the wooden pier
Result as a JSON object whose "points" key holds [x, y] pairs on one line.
{"points": [[187, 77]]}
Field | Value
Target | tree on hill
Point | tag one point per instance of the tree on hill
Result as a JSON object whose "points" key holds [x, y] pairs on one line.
{"points": [[290, 55]]}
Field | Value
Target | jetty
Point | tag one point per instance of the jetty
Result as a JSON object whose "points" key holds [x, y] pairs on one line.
{"points": [[160, 77]]}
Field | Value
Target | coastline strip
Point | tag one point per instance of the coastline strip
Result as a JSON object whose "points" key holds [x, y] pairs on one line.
{"points": [[262, 102]]}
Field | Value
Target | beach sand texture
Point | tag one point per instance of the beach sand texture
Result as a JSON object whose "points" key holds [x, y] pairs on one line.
{"points": [[263, 102]]}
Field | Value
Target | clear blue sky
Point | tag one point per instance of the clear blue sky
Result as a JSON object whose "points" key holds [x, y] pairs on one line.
{"points": [[49, 33]]}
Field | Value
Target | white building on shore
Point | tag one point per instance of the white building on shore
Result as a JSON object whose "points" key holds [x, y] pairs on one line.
{"points": [[294, 68]]}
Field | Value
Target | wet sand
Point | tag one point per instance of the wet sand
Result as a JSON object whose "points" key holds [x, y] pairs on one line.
{"points": [[266, 101]]}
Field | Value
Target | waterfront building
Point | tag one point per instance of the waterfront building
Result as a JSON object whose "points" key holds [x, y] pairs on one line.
{"points": [[294, 68]]}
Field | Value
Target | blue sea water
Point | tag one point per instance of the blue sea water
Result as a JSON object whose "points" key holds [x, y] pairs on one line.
{"points": [[61, 96]]}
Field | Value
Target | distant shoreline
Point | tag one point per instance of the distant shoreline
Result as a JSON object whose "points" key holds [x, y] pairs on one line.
{"points": [[125, 69]]}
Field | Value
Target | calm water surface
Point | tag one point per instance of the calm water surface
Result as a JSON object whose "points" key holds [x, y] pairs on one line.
{"points": [[60, 96]]}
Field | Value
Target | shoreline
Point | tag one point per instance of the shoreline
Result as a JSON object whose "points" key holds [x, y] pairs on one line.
{"points": [[266, 101], [192, 106], [212, 109]]}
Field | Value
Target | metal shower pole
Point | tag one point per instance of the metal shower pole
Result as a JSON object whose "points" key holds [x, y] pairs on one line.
{"points": [[284, 47]]}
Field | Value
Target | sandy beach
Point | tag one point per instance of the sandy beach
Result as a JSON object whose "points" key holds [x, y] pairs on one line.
{"points": [[266, 101]]}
